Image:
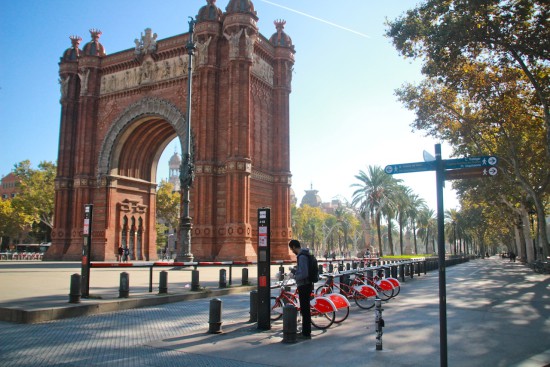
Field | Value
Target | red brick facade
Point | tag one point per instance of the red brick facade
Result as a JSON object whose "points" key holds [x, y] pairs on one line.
{"points": [[120, 111]]}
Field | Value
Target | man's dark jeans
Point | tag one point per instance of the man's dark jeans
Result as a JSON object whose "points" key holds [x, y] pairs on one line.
{"points": [[304, 292]]}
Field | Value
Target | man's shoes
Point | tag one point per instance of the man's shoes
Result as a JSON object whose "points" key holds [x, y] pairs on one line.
{"points": [[303, 337]]}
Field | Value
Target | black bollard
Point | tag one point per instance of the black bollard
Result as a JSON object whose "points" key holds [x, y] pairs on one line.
{"points": [[281, 273], [244, 277], [215, 318], [195, 280], [290, 326], [253, 306], [348, 266], [163, 282], [330, 268], [321, 269], [124, 285], [223, 279], [75, 293], [379, 322]]}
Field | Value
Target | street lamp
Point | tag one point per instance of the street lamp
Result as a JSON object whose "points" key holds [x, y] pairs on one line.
{"points": [[187, 173]]}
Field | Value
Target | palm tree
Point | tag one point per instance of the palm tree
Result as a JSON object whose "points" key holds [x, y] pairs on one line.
{"points": [[372, 194], [416, 204], [427, 225], [402, 201], [451, 216]]}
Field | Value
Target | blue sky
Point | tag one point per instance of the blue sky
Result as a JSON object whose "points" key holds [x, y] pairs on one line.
{"points": [[344, 115]]}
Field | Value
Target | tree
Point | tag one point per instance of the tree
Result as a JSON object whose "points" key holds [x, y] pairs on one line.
{"points": [[168, 204], [308, 224], [12, 222], [35, 199], [372, 194], [417, 204], [487, 86]]}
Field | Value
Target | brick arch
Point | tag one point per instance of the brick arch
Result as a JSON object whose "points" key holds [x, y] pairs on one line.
{"points": [[158, 118]]}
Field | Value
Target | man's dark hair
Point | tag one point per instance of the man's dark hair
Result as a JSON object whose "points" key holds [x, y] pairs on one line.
{"points": [[294, 243]]}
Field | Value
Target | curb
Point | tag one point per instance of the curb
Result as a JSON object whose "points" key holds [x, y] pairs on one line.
{"points": [[93, 307]]}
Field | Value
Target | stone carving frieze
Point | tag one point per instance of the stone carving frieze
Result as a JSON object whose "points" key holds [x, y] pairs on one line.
{"points": [[262, 70], [150, 71]]}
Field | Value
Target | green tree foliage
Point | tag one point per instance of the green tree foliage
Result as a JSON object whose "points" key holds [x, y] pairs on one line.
{"points": [[168, 204], [12, 222], [375, 195], [36, 195], [308, 225]]}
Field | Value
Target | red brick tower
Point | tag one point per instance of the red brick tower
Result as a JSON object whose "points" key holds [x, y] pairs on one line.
{"points": [[119, 112]]}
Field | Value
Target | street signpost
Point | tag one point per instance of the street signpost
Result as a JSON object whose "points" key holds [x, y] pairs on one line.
{"points": [[446, 169], [409, 167], [475, 172]]}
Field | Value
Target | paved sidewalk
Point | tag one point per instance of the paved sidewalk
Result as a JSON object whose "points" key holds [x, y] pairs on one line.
{"points": [[498, 315]]}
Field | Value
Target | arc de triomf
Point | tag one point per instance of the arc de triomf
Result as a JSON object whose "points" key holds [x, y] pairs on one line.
{"points": [[120, 111]]}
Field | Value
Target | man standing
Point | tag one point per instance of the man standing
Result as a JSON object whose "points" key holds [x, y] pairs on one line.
{"points": [[304, 285]]}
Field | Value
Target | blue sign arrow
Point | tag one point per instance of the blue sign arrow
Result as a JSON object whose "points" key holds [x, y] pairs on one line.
{"points": [[393, 169], [470, 162]]}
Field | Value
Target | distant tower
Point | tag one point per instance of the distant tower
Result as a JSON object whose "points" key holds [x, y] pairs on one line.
{"points": [[311, 198], [174, 171]]}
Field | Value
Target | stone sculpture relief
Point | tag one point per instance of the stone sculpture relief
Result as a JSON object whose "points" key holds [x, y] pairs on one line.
{"points": [[149, 72], [234, 40]]}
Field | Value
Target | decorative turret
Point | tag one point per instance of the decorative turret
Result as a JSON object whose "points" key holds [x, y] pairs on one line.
{"points": [[209, 12], [73, 52], [240, 6], [280, 38], [94, 48]]}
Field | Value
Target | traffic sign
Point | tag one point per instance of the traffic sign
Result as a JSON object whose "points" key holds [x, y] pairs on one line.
{"points": [[470, 162], [474, 172], [393, 169]]}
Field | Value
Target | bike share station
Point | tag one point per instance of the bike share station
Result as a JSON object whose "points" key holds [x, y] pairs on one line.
{"points": [[446, 169], [264, 269]]}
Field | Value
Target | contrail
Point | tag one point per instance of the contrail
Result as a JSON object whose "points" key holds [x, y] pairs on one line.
{"points": [[315, 18]]}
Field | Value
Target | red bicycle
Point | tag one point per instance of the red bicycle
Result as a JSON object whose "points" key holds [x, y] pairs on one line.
{"points": [[363, 294], [323, 309]]}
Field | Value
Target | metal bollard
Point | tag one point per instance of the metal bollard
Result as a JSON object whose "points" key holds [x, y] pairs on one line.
{"points": [[124, 285], [195, 280], [163, 282], [321, 269], [348, 266], [378, 322], [330, 268], [244, 277], [281, 273], [253, 306], [290, 326], [223, 279], [215, 318], [75, 293]]}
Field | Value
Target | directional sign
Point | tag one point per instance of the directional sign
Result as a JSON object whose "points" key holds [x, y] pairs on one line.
{"points": [[393, 169], [470, 162], [475, 172]]}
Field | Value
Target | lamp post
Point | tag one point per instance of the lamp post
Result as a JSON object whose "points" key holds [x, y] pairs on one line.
{"points": [[187, 173]]}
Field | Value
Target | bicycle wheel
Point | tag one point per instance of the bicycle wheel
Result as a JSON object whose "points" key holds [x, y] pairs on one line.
{"points": [[384, 294], [322, 320], [322, 290], [276, 309], [363, 301], [341, 314]]}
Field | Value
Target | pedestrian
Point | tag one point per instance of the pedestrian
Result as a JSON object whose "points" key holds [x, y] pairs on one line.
{"points": [[126, 253], [120, 253], [512, 256], [305, 288]]}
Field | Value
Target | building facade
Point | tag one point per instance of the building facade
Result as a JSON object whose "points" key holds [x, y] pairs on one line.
{"points": [[120, 111]]}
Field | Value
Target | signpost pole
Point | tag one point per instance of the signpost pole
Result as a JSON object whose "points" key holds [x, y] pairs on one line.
{"points": [[440, 180]]}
